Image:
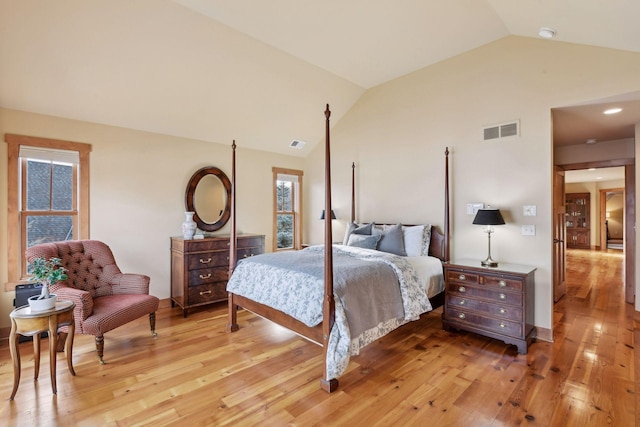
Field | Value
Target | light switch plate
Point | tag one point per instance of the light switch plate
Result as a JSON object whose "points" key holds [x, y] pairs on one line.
{"points": [[530, 210], [528, 230], [472, 208]]}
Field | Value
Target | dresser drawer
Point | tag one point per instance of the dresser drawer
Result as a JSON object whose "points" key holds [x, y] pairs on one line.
{"points": [[207, 259], [207, 275], [249, 252], [492, 308], [475, 320], [503, 283], [207, 293], [204, 245], [247, 242], [462, 277], [491, 294]]}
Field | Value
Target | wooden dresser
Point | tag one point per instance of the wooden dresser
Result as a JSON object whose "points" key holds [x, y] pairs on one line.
{"points": [[494, 302], [200, 267]]}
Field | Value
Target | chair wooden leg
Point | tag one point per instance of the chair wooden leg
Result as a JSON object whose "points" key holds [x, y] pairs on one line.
{"points": [[152, 323], [100, 348]]}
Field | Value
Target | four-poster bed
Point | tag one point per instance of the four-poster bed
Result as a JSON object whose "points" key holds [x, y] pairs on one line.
{"points": [[340, 328]]}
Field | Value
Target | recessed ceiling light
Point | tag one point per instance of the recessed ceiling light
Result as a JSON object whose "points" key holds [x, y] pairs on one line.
{"points": [[546, 32], [591, 169], [613, 110], [591, 141]]}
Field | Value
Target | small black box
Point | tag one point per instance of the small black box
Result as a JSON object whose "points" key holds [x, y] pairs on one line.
{"points": [[23, 292]]}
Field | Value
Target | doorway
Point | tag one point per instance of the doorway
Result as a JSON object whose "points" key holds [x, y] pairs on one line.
{"points": [[612, 219]]}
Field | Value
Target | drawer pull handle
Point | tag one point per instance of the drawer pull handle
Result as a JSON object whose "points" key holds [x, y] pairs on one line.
{"points": [[227, 258], [503, 311], [462, 289], [462, 277], [205, 292], [205, 261], [462, 302], [503, 296], [208, 276], [461, 316], [502, 325], [502, 283], [228, 243], [245, 255]]}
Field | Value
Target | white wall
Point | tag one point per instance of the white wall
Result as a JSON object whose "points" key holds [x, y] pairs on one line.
{"points": [[138, 182], [397, 133]]}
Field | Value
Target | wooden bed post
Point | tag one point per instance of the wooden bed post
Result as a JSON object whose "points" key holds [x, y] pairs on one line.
{"points": [[353, 192], [328, 305], [446, 205], [232, 324]]}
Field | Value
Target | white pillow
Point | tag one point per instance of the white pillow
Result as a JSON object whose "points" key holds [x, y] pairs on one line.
{"points": [[417, 239], [413, 240]]}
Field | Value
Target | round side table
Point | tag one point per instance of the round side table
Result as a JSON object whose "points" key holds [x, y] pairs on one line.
{"points": [[26, 322]]}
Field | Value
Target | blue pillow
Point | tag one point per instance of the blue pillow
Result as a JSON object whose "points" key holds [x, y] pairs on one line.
{"points": [[392, 241], [363, 241], [354, 228]]}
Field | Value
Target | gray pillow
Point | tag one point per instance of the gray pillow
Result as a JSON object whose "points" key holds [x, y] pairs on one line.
{"points": [[354, 228], [391, 240], [363, 241]]}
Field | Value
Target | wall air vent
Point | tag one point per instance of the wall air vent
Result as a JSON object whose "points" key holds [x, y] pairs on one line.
{"points": [[502, 131], [297, 144]]}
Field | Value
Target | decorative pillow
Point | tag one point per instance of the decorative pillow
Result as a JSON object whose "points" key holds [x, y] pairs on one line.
{"points": [[392, 241], [426, 241], [353, 228], [363, 241], [417, 239], [413, 238]]}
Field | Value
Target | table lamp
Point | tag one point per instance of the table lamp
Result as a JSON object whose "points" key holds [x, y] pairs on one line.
{"points": [[489, 217]]}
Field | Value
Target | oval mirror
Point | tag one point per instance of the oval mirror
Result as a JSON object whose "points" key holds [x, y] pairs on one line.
{"points": [[208, 195]]}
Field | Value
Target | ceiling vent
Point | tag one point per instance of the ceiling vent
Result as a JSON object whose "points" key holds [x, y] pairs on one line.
{"points": [[504, 130], [297, 144]]}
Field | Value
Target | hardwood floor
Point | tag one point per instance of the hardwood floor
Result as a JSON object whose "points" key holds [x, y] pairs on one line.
{"points": [[195, 373]]}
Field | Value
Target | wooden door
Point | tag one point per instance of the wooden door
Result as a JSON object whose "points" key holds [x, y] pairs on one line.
{"points": [[559, 233]]}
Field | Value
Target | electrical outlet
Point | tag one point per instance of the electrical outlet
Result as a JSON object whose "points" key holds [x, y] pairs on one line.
{"points": [[528, 230], [530, 210]]}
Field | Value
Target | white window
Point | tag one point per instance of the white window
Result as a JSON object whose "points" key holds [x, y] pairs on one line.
{"points": [[48, 195], [287, 218]]}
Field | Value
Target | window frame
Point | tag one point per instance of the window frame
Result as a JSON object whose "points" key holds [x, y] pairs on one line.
{"points": [[297, 208], [16, 238]]}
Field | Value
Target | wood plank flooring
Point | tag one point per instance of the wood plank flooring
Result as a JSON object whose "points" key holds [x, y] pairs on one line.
{"points": [[196, 374]]}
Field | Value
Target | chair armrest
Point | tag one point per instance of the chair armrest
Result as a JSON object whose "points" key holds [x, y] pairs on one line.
{"points": [[130, 283], [82, 299]]}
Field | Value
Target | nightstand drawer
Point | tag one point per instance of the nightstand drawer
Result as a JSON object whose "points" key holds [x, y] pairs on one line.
{"points": [[503, 283], [500, 326], [491, 294], [504, 311], [462, 277]]}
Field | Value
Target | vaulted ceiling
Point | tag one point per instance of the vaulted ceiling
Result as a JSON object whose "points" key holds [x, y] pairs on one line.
{"points": [[253, 70]]}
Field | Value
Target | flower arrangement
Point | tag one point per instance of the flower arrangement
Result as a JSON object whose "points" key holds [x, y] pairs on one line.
{"points": [[47, 272]]}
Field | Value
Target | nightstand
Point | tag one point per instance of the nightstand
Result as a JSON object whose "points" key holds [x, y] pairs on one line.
{"points": [[496, 302]]}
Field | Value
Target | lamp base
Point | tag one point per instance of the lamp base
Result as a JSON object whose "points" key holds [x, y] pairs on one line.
{"points": [[489, 263]]}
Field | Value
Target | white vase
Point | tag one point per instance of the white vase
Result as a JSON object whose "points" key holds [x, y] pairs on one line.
{"points": [[42, 304], [188, 226]]}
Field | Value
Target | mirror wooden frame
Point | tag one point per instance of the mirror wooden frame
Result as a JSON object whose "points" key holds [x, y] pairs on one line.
{"points": [[189, 198]]}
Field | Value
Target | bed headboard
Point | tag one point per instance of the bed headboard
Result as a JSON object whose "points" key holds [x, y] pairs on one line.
{"points": [[437, 244]]}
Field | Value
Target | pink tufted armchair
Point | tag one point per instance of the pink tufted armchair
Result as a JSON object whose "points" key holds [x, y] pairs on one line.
{"points": [[105, 297]]}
